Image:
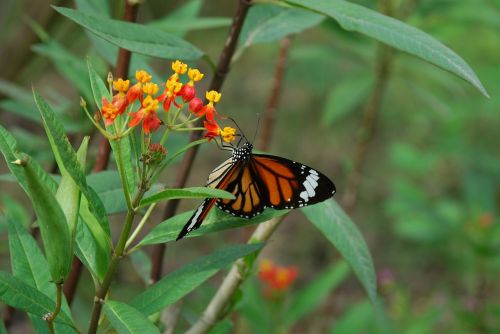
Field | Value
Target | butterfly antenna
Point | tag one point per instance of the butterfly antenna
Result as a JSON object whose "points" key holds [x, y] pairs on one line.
{"points": [[241, 131], [257, 128]]}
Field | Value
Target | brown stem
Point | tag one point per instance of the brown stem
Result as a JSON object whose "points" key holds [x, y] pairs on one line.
{"points": [[274, 99], [221, 303], [103, 153], [371, 111], [188, 159], [367, 129]]}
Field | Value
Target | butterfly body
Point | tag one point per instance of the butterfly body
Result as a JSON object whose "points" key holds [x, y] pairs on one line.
{"points": [[260, 181]]}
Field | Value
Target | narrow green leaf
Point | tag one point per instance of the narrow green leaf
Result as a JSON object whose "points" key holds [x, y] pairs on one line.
{"points": [[337, 227], [216, 221], [105, 180], [93, 248], [309, 298], [16, 293], [394, 33], [176, 285], [269, 23], [127, 320], [125, 154], [29, 265], [52, 222], [345, 97], [358, 318], [68, 194], [193, 192], [66, 157], [97, 85], [15, 210], [135, 37]]}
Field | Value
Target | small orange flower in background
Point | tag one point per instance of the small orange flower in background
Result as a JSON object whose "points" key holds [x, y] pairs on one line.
{"points": [[147, 114], [276, 278], [485, 220]]}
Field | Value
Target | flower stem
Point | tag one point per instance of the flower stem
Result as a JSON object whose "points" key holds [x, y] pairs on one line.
{"points": [[57, 309], [140, 225], [103, 289], [121, 170]]}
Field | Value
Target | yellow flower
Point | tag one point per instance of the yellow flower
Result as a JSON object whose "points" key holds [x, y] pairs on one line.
{"points": [[149, 104], [228, 134], [143, 76], [213, 96], [195, 75], [179, 67], [173, 86], [150, 88], [121, 86]]}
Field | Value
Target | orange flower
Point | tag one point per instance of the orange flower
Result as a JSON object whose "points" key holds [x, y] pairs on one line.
{"points": [[277, 278], [147, 114], [135, 92], [109, 111], [172, 89], [188, 92], [213, 130]]}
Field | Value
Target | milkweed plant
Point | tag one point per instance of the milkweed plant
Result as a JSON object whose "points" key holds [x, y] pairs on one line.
{"points": [[137, 117]]}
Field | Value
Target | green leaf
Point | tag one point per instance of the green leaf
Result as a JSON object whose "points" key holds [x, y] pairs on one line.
{"points": [[337, 227], [15, 210], [309, 298], [356, 319], [216, 221], [126, 319], [93, 248], [20, 295], [30, 265], [70, 66], [68, 194], [194, 192], [66, 157], [52, 222], [394, 33], [121, 150], [176, 285], [135, 37], [98, 87], [105, 180], [345, 97], [269, 23]]}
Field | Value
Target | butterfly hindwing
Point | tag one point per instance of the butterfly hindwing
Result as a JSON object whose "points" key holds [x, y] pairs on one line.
{"points": [[289, 184]]}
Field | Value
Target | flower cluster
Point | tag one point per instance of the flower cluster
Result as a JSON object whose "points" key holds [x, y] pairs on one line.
{"points": [[146, 98], [277, 278]]}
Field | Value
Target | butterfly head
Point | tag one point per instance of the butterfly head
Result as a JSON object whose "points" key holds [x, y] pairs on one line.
{"points": [[242, 153]]}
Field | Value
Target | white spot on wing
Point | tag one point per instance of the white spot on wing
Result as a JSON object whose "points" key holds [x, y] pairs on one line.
{"points": [[195, 217]]}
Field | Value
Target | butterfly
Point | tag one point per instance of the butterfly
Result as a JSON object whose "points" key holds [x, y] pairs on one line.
{"points": [[260, 181]]}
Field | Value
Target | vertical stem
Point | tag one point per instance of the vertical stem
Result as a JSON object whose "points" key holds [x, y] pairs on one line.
{"points": [[104, 150], [102, 291], [52, 316], [274, 99], [220, 304], [366, 133], [188, 159]]}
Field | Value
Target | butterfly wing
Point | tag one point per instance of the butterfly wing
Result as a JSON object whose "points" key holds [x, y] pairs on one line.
{"points": [[218, 178], [244, 185], [289, 184]]}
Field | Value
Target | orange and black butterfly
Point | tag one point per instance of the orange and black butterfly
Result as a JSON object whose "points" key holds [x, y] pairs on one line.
{"points": [[260, 181]]}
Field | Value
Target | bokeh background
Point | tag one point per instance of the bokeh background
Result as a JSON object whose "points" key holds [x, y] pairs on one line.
{"points": [[429, 185]]}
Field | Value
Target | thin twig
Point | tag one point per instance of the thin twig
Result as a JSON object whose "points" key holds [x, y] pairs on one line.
{"points": [[274, 99], [188, 159], [220, 304], [371, 111], [102, 160]]}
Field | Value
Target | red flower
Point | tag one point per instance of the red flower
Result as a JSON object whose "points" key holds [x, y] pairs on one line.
{"points": [[209, 111], [195, 105], [187, 92], [147, 114], [213, 130]]}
